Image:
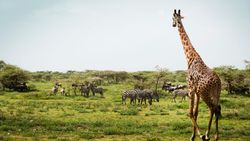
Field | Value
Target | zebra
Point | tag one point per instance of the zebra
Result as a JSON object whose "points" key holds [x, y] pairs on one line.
{"points": [[141, 95], [85, 90], [99, 90], [169, 87], [155, 96], [96, 89], [54, 90], [21, 87], [182, 93], [63, 92], [132, 94], [75, 87], [145, 94]]}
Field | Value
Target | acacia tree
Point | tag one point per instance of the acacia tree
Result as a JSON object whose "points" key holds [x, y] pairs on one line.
{"points": [[11, 76], [161, 72]]}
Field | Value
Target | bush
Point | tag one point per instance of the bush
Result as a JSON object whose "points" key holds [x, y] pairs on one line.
{"points": [[11, 77]]}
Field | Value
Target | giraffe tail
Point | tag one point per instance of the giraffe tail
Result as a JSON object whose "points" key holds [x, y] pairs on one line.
{"points": [[218, 112]]}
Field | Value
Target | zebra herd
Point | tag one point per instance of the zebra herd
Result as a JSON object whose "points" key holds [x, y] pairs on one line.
{"points": [[84, 89], [140, 95]]}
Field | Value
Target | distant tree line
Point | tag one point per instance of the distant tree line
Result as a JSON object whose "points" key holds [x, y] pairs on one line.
{"points": [[233, 80]]}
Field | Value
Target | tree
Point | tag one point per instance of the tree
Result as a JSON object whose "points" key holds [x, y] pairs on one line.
{"points": [[161, 72], [12, 76], [233, 80], [227, 74]]}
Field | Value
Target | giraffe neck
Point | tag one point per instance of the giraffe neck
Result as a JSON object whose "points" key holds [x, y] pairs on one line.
{"points": [[189, 50]]}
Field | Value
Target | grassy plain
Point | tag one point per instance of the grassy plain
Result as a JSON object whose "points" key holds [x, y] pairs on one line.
{"points": [[38, 116]]}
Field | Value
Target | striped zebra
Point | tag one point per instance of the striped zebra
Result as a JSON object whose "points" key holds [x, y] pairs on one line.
{"points": [[96, 89], [145, 94], [182, 93], [85, 89], [131, 94], [141, 95]]}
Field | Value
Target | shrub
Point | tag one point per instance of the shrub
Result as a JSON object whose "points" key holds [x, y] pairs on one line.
{"points": [[11, 76]]}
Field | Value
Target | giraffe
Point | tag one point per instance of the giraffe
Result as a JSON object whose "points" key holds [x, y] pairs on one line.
{"points": [[203, 82]]}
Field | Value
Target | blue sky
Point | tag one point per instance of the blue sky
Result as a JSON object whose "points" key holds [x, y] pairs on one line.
{"points": [[130, 35]]}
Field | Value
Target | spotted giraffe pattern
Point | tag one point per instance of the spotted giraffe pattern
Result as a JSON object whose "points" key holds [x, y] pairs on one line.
{"points": [[203, 82]]}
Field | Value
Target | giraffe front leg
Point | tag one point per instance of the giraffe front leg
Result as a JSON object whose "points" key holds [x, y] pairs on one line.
{"points": [[194, 105]]}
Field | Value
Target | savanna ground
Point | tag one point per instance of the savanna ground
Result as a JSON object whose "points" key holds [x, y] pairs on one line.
{"points": [[37, 116]]}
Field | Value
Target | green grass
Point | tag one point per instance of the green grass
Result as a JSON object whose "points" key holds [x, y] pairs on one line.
{"points": [[37, 116]]}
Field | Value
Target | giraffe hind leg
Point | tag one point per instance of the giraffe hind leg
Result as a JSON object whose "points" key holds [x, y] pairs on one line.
{"points": [[209, 125]]}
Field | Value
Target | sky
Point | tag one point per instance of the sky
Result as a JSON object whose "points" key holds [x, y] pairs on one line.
{"points": [[121, 35]]}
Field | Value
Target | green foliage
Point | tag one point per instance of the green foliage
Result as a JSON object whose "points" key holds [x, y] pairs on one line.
{"points": [[233, 78], [180, 76], [10, 76]]}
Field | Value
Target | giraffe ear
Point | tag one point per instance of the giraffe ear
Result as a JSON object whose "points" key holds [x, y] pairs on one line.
{"points": [[174, 11], [179, 12]]}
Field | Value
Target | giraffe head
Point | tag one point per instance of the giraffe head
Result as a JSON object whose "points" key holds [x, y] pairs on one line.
{"points": [[177, 18]]}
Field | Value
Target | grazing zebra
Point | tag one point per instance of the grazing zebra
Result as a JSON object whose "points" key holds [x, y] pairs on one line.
{"points": [[145, 94], [85, 90], [97, 90], [132, 94], [182, 93]]}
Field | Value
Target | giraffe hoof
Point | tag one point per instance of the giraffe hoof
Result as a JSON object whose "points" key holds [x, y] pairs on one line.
{"points": [[203, 137]]}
